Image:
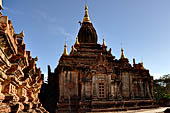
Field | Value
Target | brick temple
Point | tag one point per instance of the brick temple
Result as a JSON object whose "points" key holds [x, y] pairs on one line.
{"points": [[20, 79], [89, 78]]}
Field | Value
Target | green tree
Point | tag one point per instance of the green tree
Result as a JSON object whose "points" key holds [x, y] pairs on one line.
{"points": [[162, 88]]}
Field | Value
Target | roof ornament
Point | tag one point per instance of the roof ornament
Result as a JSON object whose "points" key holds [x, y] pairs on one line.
{"points": [[86, 16], [142, 66], [134, 61], [104, 44], [80, 23], [122, 54], [77, 41], [21, 35], [110, 51], [73, 49], [36, 58], [65, 53]]}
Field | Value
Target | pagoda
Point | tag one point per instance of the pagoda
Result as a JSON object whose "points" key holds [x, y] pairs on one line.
{"points": [[89, 78]]}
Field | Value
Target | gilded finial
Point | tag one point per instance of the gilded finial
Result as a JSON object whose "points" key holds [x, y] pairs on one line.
{"points": [[122, 54], [77, 41], [65, 49], [142, 67], [86, 16], [104, 44]]}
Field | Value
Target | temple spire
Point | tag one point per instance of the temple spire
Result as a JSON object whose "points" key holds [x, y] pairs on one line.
{"points": [[122, 54], [77, 41], [104, 44], [86, 15], [65, 53]]}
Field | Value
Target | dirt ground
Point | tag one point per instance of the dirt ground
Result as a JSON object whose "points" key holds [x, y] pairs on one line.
{"points": [[154, 110]]}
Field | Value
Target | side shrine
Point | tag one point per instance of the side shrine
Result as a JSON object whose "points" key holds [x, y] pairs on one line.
{"points": [[20, 79], [91, 79]]}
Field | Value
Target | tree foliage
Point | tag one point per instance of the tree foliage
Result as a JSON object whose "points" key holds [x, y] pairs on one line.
{"points": [[162, 88]]}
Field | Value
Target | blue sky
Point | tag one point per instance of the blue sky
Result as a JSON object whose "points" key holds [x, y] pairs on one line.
{"points": [[143, 26]]}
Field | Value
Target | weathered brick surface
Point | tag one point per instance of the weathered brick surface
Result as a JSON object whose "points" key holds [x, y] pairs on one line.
{"points": [[20, 79]]}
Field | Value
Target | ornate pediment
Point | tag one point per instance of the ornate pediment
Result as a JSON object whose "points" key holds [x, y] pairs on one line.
{"points": [[101, 69]]}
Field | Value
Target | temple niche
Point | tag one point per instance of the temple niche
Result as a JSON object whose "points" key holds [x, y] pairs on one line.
{"points": [[20, 79], [89, 78]]}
